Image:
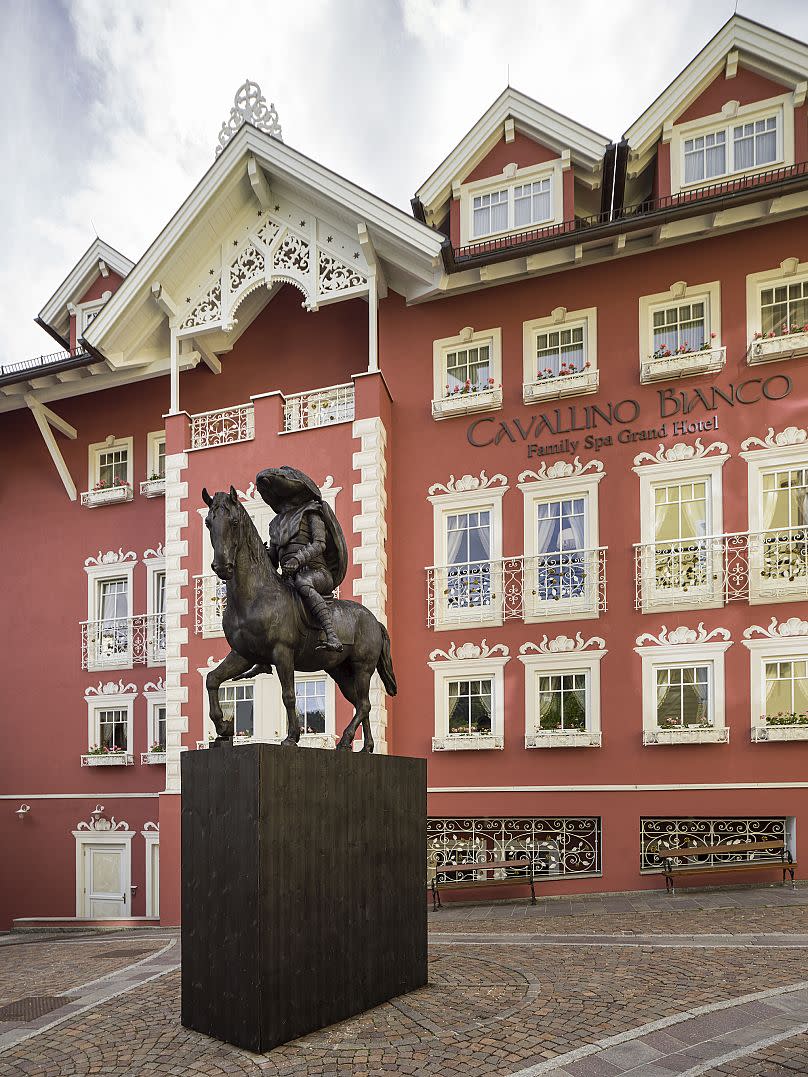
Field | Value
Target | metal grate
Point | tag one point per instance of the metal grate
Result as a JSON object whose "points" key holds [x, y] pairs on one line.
{"points": [[700, 833], [31, 1007]]}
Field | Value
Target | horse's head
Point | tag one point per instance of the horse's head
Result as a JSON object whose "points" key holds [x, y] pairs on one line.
{"points": [[223, 521]]}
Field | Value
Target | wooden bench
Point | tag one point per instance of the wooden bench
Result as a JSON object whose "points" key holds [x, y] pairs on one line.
{"points": [[672, 870], [520, 879]]}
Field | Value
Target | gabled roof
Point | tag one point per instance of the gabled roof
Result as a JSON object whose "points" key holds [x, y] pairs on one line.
{"points": [[768, 52], [399, 239], [531, 118], [54, 314]]}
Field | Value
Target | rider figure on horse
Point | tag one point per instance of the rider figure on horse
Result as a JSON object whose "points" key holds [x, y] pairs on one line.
{"points": [[306, 542]]}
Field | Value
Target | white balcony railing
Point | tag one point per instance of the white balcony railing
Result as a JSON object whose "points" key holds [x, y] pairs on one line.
{"points": [[764, 731], [223, 427], [122, 642], [466, 403], [320, 407], [772, 349], [545, 587], [563, 738], [108, 759], [107, 495], [683, 364], [152, 758], [585, 381], [761, 566], [210, 599], [686, 735]]}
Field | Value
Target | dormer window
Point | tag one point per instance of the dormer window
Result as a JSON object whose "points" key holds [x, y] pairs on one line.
{"points": [[532, 203], [740, 140], [491, 213], [516, 200]]}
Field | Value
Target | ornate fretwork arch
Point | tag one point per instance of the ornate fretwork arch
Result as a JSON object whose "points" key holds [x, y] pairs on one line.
{"points": [[283, 245]]}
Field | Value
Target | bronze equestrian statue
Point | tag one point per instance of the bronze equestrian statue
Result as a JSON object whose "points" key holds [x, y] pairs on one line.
{"points": [[284, 619]]}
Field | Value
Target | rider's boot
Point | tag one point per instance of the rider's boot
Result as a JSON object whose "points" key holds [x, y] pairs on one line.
{"points": [[322, 611]]}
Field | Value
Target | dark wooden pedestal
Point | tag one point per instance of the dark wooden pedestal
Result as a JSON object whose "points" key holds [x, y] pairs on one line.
{"points": [[303, 888]]}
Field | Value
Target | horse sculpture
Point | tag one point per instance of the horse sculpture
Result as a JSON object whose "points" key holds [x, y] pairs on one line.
{"points": [[267, 625]]}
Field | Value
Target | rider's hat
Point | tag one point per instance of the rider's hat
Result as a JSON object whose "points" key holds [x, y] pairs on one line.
{"points": [[283, 487]]}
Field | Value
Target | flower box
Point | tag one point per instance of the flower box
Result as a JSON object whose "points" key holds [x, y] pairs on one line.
{"points": [[466, 403], [561, 738], [586, 381], [153, 488], [461, 742], [683, 365], [107, 759], [107, 495], [763, 732], [318, 740], [772, 349], [152, 758], [691, 735]]}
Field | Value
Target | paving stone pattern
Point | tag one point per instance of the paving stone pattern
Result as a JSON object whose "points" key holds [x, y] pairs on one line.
{"points": [[781, 1060]]}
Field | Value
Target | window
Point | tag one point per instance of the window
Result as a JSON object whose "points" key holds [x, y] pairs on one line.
{"points": [[110, 472], [112, 637], [156, 739], [705, 157], [777, 312], [562, 692], [468, 560], [560, 355], [467, 373], [752, 141], [112, 729], [156, 455], [470, 707], [562, 702], [779, 680], [784, 308], [520, 206], [237, 706], [109, 724], [786, 684], [785, 498], [310, 701], [158, 742], [755, 144], [532, 203], [683, 685], [680, 561], [490, 213], [680, 332], [561, 351], [680, 328], [564, 568], [683, 696]]}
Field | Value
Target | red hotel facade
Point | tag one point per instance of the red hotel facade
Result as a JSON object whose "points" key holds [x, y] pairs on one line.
{"points": [[560, 413]]}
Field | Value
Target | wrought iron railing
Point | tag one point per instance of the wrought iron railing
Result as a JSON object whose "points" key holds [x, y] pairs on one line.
{"points": [[659, 834], [320, 407], [210, 599], [557, 846], [41, 361], [735, 566], [545, 586], [223, 427], [576, 229], [116, 642]]}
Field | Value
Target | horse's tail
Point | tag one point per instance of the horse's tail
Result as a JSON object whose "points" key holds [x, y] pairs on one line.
{"points": [[385, 665]]}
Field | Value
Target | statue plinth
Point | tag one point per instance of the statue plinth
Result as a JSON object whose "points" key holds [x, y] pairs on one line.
{"points": [[303, 888]]}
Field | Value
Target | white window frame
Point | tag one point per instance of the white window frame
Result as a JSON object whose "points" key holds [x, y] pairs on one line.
{"points": [[113, 701], [469, 669], [508, 179], [488, 499], [155, 698], [709, 360], [155, 566], [710, 471], [444, 406], [560, 664], [759, 462], [96, 574], [786, 345], [94, 458], [87, 312], [684, 654], [152, 842], [773, 649], [153, 441], [730, 117], [534, 493], [534, 388]]}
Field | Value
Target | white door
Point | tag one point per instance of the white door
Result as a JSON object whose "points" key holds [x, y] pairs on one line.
{"points": [[105, 896], [154, 880]]}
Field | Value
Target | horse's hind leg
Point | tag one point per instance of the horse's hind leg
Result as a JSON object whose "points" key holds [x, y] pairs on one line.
{"points": [[231, 666], [355, 686], [284, 665]]}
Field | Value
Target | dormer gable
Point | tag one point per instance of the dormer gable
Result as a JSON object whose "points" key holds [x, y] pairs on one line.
{"points": [[738, 109], [521, 167], [84, 291]]}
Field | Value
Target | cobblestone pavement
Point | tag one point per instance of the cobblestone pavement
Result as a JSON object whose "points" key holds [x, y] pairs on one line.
{"points": [[695, 989]]}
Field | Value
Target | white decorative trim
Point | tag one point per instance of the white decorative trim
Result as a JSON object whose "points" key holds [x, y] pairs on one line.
{"points": [[792, 435], [486, 399], [681, 451], [110, 688], [153, 488], [561, 644], [157, 554], [176, 664], [370, 526], [564, 739], [561, 469], [249, 106], [683, 635], [463, 742], [778, 629], [151, 836], [154, 687], [110, 558], [468, 652], [466, 484], [766, 734], [714, 735], [102, 824]]}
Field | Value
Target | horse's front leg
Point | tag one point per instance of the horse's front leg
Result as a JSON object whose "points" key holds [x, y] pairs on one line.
{"points": [[231, 666], [285, 668]]}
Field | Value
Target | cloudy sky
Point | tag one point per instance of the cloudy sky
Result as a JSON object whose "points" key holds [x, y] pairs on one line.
{"points": [[111, 108]]}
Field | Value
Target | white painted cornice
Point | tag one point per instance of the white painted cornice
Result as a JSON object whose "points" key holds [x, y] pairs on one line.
{"points": [[537, 121], [774, 55]]}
